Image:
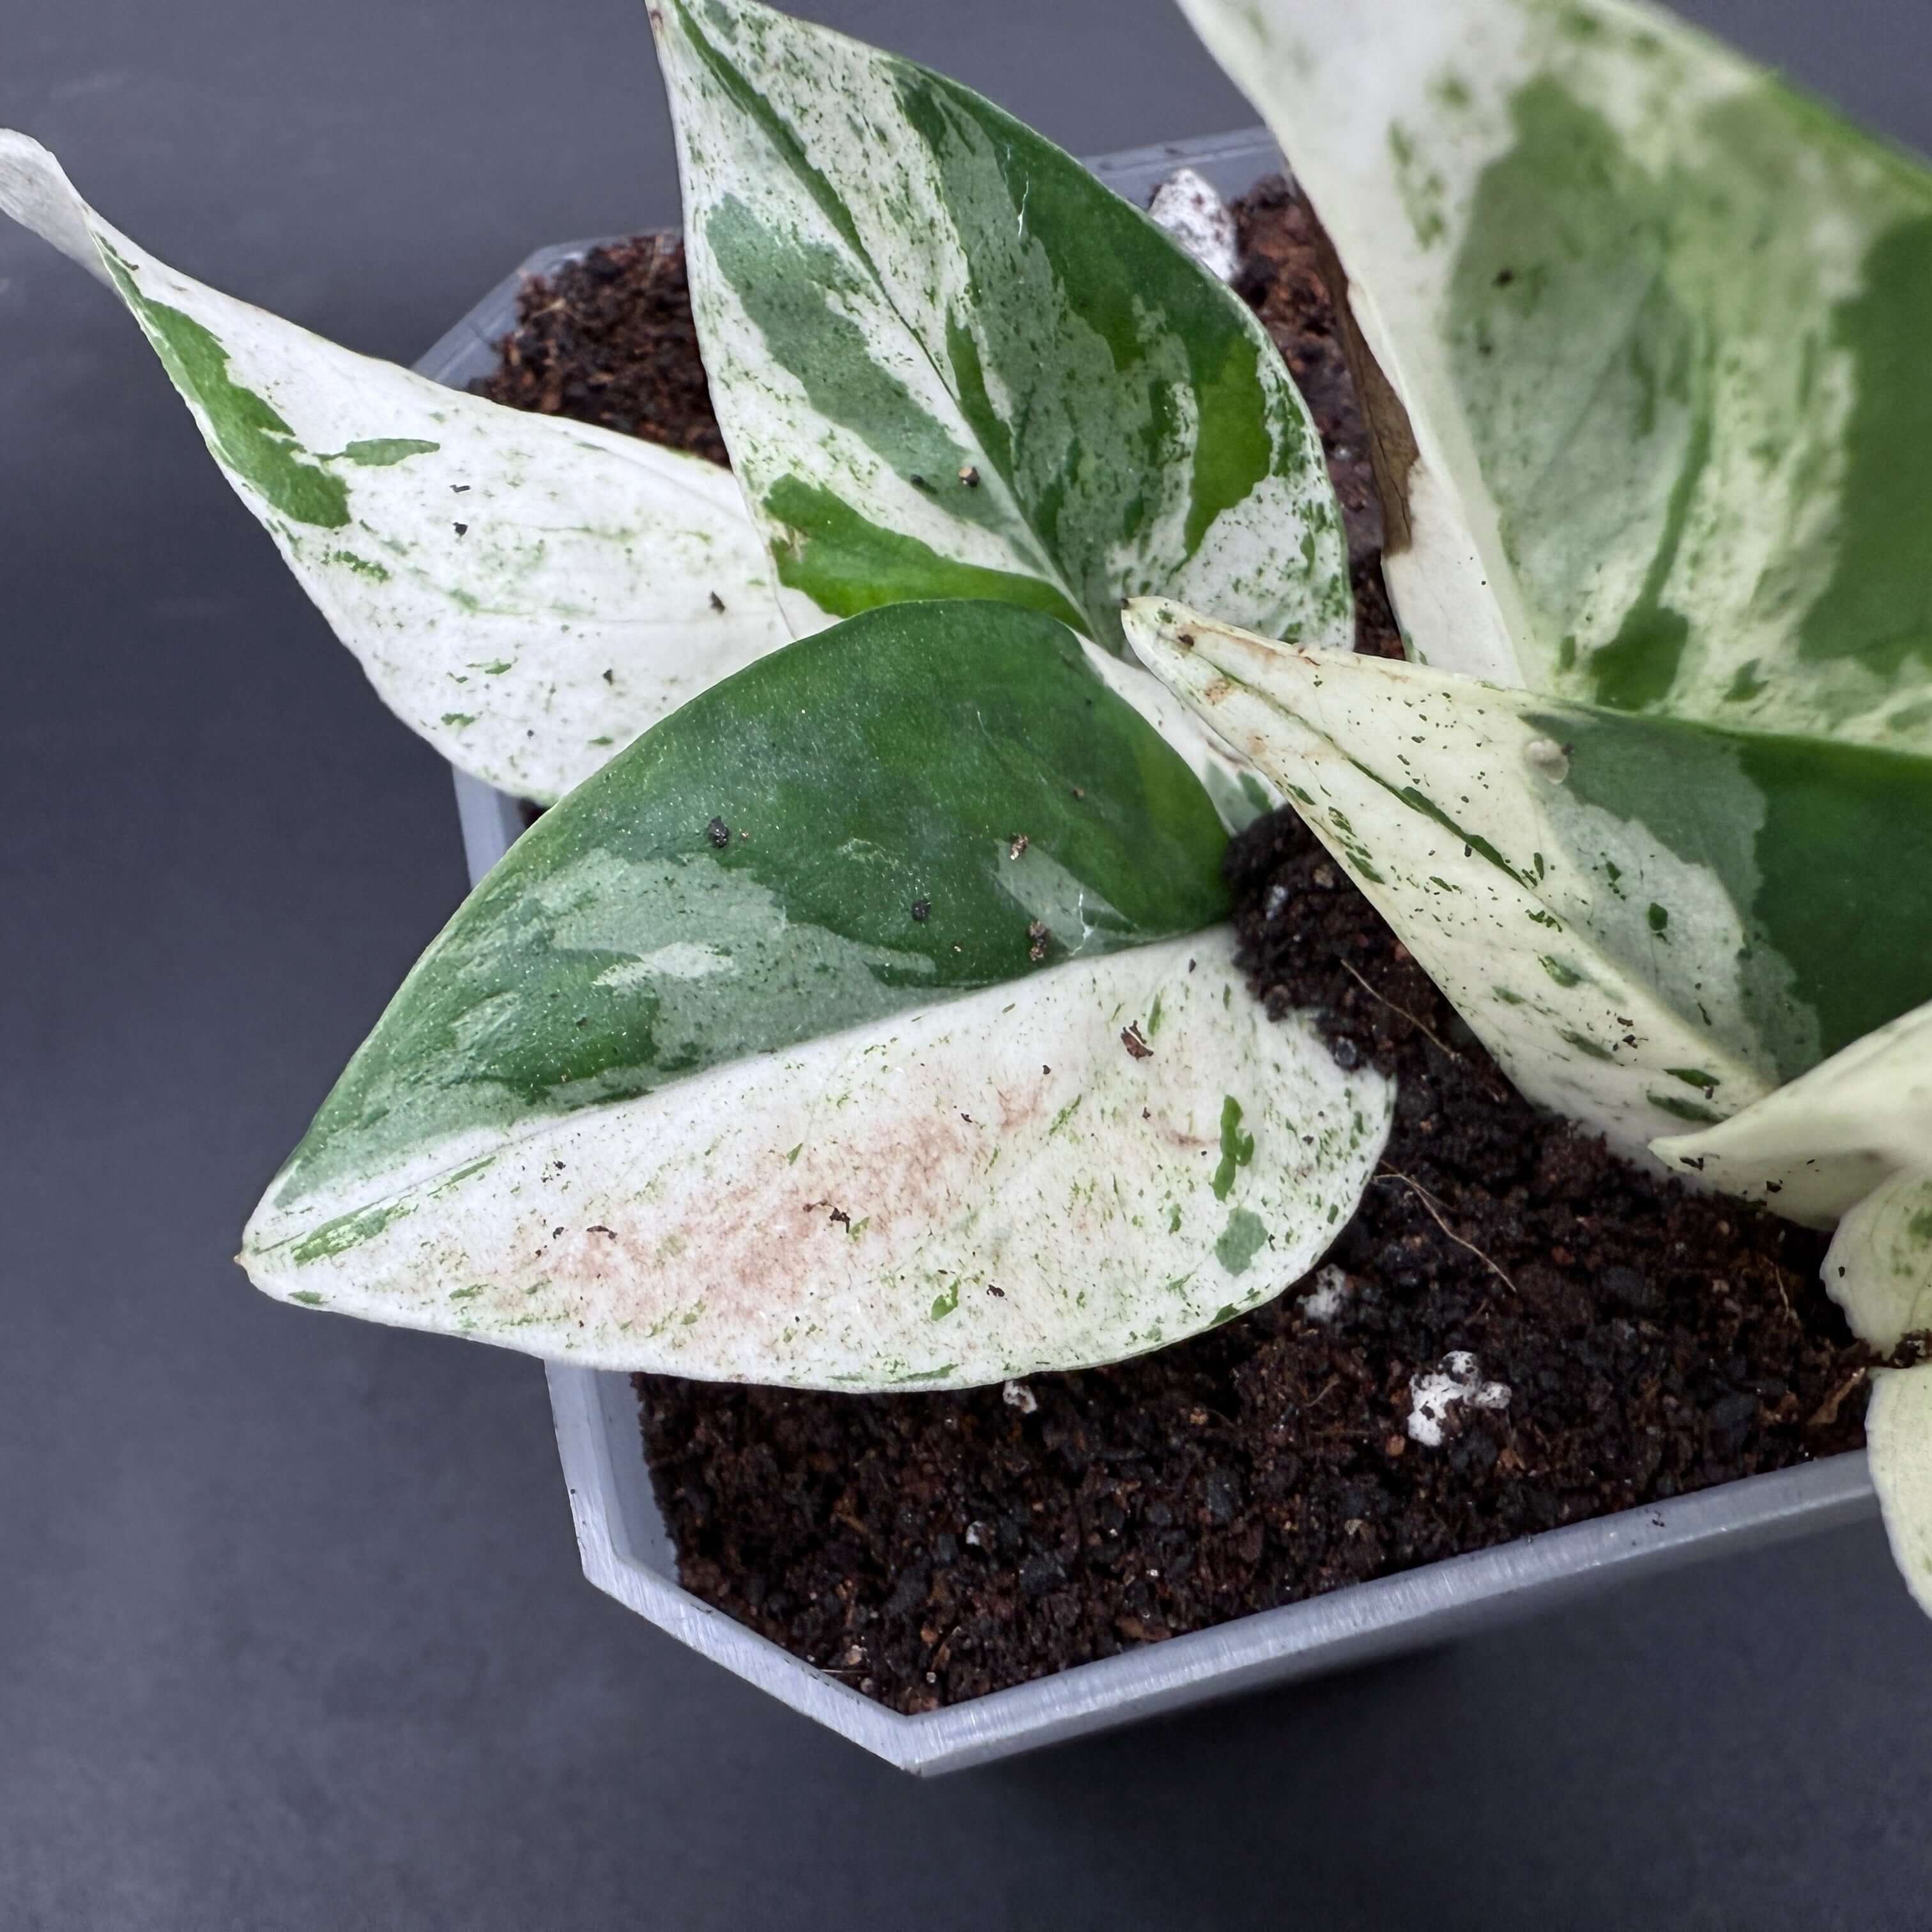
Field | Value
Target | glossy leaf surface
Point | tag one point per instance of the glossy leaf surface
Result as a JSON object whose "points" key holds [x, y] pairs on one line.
{"points": [[914, 900], [1658, 323], [1646, 920]]}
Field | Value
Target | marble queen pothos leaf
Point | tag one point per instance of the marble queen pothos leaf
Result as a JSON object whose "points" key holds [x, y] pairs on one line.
{"points": [[1659, 324], [1853, 1138], [901, 1044], [1646, 920], [948, 362], [527, 593]]}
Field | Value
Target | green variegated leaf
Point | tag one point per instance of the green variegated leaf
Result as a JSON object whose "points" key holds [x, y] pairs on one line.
{"points": [[1646, 920], [1879, 1267], [948, 362], [1898, 1436], [856, 1027], [1658, 323], [527, 593]]}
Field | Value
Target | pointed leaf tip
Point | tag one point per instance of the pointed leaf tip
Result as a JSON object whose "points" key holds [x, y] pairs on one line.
{"points": [[591, 583], [949, 362], [1432, 792]]}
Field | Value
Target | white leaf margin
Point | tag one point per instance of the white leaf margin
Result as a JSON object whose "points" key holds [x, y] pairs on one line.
{"points": [[1817, 1146], [1264, 558], [1391, 113]]}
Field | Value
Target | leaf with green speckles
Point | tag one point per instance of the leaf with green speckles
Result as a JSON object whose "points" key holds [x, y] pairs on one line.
{"points": [[645, 1036], [948, 362], [438, 532], [1765, 900], [1801, 873], [1658, 429]]}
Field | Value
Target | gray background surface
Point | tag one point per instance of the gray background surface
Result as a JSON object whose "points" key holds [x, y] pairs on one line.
{"points": [[291, 1631]]}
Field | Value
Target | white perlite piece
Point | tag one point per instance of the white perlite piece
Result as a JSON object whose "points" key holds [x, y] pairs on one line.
{"points": [[1189, 207], [1017, 1395], [1324, 1302], [1432, 1396]]}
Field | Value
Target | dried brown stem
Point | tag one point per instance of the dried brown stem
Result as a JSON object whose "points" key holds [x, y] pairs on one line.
{"points": [[1433, 1208]]}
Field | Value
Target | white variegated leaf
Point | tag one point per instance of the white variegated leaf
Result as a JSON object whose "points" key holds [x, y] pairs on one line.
{"points": [[1658, 324], [527, 593], [1816, 1147], [1605, 898], [908, 1049], [966, 1192], [948, 362], [1879, 1269]]}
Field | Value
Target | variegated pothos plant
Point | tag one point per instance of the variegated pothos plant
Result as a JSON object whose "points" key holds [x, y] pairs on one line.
{"points": [[868, 1020], [1636, 326]]}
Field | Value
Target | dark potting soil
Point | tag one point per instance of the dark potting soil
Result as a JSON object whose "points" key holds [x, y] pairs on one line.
{"points": [[609, 339], [930, 1548]]}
